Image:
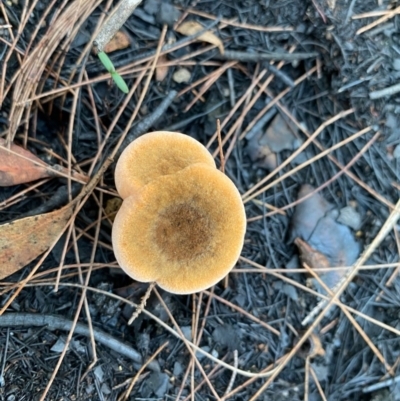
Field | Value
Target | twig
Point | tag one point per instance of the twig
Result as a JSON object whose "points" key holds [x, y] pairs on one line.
{"points": [[189, 348], [243, 312], [389, 91], [233, 377], [266, 118], [352, 321], [177, 333], [58, 199], [243, 98], [232, 95], [238, 24], [379, 385], [193, 347], [54, 322], [142, 304], [280, 74], [143, 126], [377, 13], [276, 99], [145, 88], [340, 287], [254, 191], [255, 57], [387, 16], [397, 269], [3, 365], [184, 123], [114, 22], [307, 378], [296, 284], [390, 222], [343, 170], [169, 47], [139, 372], [315, 377], [320, 12]]}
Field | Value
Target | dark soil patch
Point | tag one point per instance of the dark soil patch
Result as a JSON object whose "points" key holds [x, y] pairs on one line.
{"points": [[351, 68]]}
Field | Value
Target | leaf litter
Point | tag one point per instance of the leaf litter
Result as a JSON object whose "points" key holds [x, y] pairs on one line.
{"points": [[23, 240], [251, 286], [322, 241], [189, 28], [15, 169]]}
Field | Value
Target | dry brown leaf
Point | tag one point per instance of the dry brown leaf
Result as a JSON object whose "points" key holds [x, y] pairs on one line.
{"points": [[322, 241], [119, 41], [189, 28], [15, 169], [161, 71], [23, 240], [311, 256], [314, 347]]}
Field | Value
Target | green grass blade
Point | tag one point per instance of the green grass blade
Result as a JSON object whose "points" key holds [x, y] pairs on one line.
{"points": [[105, 60], [119, 81]]}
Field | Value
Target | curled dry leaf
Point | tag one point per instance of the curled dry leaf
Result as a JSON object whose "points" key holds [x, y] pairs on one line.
{"points": [[161, 70], [23, 240], [19, 165], [189, 28], [313, 347], [321, 239]]}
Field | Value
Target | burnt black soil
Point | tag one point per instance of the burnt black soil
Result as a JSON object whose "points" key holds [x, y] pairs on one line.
{"points": [[351, 68]]}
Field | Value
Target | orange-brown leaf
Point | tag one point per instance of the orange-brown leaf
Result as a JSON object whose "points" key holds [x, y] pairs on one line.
{"points": [[23, 240], [119, 41], [15, 169], [189, 28]]}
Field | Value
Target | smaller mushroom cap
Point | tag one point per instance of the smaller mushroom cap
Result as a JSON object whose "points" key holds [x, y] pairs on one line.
{"points": [[184, 231], [156, 154]]}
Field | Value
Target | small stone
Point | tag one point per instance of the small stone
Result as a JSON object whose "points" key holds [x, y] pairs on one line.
{"points": [[162, 385], [200, 355], [396, 64], [167, 14], [182, 75], [98, 372], [89, 389], [226, 92], [291, 292], [396, 152], [151, 6], [187, 332], [227, 336], [178, 369], [350, 217], [105, 389], [58, 346]]}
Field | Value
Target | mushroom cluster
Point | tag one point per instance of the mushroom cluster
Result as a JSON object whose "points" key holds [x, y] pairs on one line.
{"points": [[182, 222]]}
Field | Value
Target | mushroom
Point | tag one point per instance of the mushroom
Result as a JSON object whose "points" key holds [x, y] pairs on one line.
{"points": [[185, 231], [156, 154]]}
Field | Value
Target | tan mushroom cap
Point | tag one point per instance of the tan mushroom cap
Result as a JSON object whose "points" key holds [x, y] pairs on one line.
{"points": [[184, 231], [156, 154]]}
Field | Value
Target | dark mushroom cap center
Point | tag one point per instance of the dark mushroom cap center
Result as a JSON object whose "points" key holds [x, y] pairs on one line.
{"points": [[183, 232]]}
